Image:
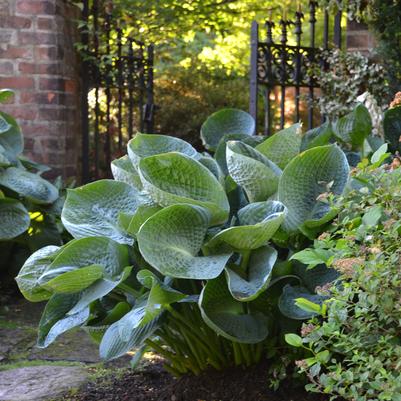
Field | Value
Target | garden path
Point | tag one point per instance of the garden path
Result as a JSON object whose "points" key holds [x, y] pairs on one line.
{"points": [[28, 373]]}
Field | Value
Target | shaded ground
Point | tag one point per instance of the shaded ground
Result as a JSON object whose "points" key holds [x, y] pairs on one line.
{"points": [[154, 384], [72, 366]]}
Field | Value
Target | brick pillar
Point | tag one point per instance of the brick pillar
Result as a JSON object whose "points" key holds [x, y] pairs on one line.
{"points": [[359, 38], [38, 61]]}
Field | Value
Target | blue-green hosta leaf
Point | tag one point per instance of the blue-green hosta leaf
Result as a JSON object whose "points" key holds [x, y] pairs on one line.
{"points": [[94, 209], [392, 128], [160, 295], [225, 122], [171, 239], [316, 171], [123, 170], [257, 278], [288, 298], [257, 224], [173, 178], [99, 289], [317, 276], [283, 146], [55, 320], [4, 162], [126, 334], [74, 280], [257, 175], [32, 270], [101, 251], [144, 145], [140, 216], [227, 317], [28, 185], [14, 219], [212, 165], [11, 138], [354, 127], [318, 136]]}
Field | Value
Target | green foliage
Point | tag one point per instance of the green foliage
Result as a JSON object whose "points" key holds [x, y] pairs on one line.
{"points": [[178, 256], [392, 128], [349, 75], [30, 205], [354, 345]]}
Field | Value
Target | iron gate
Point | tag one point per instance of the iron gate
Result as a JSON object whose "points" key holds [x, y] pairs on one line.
{"points": [[117, 93], [278, 65]]}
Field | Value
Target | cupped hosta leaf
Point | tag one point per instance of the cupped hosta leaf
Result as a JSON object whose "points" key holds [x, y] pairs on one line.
{"points": [[140, 216], [220, 154], [318, 136], [11, 138], [144, 145], [31, 271], [317, 276], [257, 224], [74, 280], [392, 128], [283, 146], [126, 334], [123, 170], [252, 171], [14, 218], [170, 241], [55, 320], [212, 165], [354, 127], [246, 286], [100, 251], [28, 185], [316, 171], [288, 298], [227, 317], [173, 178], [226, 122], [4, 162], [93, 209], [99, 289]]}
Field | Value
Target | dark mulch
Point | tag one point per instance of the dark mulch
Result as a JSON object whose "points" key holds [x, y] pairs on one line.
{"points": [[154, 384]]}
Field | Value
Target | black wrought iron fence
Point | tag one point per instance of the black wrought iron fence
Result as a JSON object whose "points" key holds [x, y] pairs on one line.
{"points": [[117, 88], [280, 68]]}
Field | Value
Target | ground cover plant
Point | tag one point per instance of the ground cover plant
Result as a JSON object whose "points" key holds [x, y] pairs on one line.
{"points": [[188, 254], [30, 206], [353, 345]]}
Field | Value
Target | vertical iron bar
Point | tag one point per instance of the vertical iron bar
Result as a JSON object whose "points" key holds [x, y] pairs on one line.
{"points": [[312, 22], [337, 29], [298, 33], [141, 88], [120, 83], [97, 83], [108, 82], [326, 30], [149, 91], [130, 89], [84, 98], [283, 73], [253, 90], [269, 74]]}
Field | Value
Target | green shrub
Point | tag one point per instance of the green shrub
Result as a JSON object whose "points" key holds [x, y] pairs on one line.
{"points": [[30, 206], [186, 253], [355, 349]]}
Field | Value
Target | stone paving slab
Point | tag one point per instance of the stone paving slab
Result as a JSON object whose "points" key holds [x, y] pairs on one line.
{"points": [[39, 383]]}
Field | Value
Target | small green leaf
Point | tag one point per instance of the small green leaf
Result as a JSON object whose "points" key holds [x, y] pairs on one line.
{"points": [[380, 155], [294, 340]]}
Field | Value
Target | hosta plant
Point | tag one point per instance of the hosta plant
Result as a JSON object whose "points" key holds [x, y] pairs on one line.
{"points": [[187, 253], [30, 206]]}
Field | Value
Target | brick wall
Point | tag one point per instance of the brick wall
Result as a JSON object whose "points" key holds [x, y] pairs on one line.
{"points": [[38, 61], [359, 38]]}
